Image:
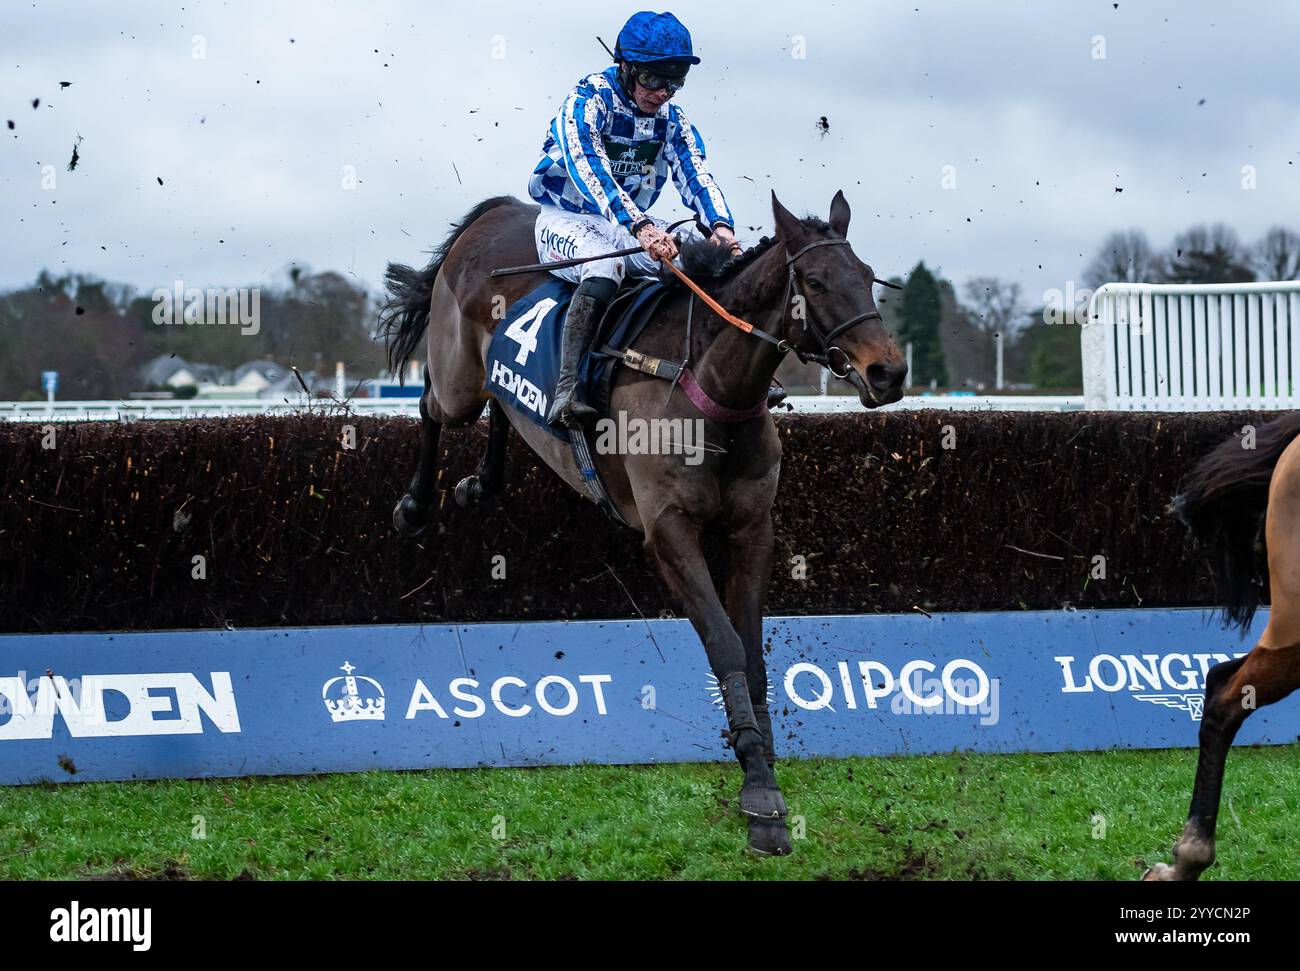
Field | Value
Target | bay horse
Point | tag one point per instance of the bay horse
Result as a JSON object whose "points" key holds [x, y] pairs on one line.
{"points": [[1234, 497], [804, 289]]}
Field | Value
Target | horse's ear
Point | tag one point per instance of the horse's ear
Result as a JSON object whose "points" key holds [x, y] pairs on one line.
{"points": [[840, 215], [788, 226]]}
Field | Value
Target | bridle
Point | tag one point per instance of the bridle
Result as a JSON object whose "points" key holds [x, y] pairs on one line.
{"points": [[824, 338]]}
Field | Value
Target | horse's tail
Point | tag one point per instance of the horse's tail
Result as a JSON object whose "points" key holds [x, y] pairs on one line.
{"points": [[1223, 503], [405, 315]]}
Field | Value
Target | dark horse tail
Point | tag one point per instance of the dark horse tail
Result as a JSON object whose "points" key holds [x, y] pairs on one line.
{"points": [[405, 316], [1223, 503]]}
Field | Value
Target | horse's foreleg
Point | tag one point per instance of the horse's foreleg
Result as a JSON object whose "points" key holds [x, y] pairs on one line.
{"points": [[490, 478], [412, 512], [675, 542], [1233, 690], [749, 575]]}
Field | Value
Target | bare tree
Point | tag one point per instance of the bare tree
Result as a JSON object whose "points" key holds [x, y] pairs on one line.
{"points": [[993, 311], [993, 305], [1206, 255], [1124, 257], [965, 346], [1277, 255]]}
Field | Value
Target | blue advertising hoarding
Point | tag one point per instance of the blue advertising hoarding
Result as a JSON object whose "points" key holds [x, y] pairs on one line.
{"points": [[85, 707]]}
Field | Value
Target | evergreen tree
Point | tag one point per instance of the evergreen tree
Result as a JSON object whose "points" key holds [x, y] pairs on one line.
{"points": [[920, 326], [1049, 357]]}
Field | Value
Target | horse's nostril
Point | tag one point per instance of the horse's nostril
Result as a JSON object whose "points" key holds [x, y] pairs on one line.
{"points": [[885, 376]]}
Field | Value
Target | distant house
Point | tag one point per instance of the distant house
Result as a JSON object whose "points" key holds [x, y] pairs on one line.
{"points": [[170, 371], [254, 377]]}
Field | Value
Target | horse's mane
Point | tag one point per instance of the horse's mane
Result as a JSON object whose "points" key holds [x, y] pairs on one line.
{"points": [[711, 265], [704, 261]]}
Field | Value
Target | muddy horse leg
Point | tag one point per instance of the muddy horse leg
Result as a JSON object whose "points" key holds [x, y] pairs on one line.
{"points": [[490, 476], [1233, 690], [749, 574], [412, 512], [674, 539], [748, 577]]}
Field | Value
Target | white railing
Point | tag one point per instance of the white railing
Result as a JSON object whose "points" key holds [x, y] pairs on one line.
{"points": [[833, 404], [1192, 347], [195, 408], [410, 407]]}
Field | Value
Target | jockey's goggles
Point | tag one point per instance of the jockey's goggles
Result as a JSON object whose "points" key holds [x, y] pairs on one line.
{"points": [[654, 82]]}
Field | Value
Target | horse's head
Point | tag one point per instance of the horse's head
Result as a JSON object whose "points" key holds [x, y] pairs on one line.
{"points": [[830, 311]]}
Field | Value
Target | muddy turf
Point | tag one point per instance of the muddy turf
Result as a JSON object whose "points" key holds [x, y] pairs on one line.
{"points": [[1078, 816]]}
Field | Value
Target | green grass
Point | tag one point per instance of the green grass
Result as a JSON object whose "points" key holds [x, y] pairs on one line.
{"points": [[936, 817]]}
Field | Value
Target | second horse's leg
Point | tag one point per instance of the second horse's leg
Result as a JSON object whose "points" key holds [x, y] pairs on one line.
{"points": [[1233, 690]]}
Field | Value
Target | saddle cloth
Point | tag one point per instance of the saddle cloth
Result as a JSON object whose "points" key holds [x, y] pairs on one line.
{"points": [[523, 359]]}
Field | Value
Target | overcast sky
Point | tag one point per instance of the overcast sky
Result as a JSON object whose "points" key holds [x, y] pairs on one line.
{"points": [[251, 139]]}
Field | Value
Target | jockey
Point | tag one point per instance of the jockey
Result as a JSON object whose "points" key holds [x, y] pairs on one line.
{"points": [[607, 155]]}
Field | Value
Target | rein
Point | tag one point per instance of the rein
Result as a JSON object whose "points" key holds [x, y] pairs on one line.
{"points": [[824, 338], [717, 308]]}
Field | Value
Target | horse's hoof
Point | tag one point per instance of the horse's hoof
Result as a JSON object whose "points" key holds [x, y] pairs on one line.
{"points": [[469, 491], [410, 519], [769, 837], [765, 802]]}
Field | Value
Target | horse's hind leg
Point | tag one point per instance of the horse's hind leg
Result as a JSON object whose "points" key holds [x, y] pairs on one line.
{"points": [[490, 477], [412, 512], [453, 379], [1233, 690]]}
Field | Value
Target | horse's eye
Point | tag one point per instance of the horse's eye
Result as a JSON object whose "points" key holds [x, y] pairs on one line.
{"points": [[816, 286]]}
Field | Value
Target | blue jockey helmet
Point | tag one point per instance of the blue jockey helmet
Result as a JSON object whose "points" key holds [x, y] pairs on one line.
{"points": [[653, 38]]}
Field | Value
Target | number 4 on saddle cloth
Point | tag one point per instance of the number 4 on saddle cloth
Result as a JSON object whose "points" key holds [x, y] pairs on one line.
{"points": [[523, 361]]}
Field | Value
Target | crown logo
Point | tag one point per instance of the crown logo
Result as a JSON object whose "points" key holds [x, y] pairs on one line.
{"points": [[347, 704]]}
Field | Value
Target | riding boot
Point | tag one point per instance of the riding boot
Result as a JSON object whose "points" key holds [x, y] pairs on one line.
{"points": [[580, 324], [740, 710]]}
